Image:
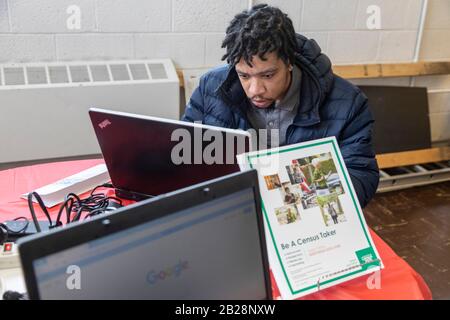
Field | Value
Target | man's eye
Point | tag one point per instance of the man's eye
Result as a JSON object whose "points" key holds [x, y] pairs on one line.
{"points": [[268, 76], [243, 76]]}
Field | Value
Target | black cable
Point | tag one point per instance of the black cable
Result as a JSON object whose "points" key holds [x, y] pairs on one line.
{"points": [[4, 235], [78, 215], [27, 223], [14, 295], [94, 213], [42, 205], [67, 205], [105, 185], [6, 231], [95, 204]]}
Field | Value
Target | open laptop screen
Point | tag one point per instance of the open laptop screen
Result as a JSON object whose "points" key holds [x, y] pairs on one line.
{"points": [[209, 251]]}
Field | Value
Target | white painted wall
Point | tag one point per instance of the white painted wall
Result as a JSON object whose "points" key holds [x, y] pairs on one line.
{"points": [[190, 32]]}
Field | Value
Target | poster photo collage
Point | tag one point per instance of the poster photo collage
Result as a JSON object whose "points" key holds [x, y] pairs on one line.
{"points": [[313, 182]]}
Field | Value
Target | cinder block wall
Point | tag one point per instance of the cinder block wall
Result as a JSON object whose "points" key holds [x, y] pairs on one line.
{"points": [[436, 46], [190, 32]]}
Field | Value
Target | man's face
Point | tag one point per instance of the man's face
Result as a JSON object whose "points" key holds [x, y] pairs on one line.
{"points": [[267, 81]]}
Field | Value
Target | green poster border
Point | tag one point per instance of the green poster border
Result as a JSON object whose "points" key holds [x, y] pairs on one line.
{"points": [[352, 197]]}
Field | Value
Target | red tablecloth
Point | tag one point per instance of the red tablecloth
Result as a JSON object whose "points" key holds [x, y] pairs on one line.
{"points": [[398, 279]]}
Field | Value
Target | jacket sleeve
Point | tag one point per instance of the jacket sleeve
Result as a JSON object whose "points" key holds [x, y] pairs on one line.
{"points": [[195, 108], [356, 147]]}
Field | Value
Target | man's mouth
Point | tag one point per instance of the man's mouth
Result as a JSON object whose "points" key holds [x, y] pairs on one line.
{"points": [[261, 103]]}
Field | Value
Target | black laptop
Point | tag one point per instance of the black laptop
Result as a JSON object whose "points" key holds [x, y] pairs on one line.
{"points": [[148, 156], [203, 242]]}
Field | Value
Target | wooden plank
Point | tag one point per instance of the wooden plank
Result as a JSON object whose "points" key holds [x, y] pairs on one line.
{"points": [[392, 70], [398, 159], [180, 76], [366, 71]]}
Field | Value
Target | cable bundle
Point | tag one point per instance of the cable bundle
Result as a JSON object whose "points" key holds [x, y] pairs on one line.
{"points": [[73, 209]]}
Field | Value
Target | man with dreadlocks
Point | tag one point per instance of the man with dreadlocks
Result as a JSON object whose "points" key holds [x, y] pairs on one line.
{"points": [[277, 79]]}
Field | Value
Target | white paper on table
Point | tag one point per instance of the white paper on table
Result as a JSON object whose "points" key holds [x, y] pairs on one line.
{"points": [[78, 183]]}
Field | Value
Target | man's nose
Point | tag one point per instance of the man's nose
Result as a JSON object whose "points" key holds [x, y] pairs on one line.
{"points": [[256, 88]]}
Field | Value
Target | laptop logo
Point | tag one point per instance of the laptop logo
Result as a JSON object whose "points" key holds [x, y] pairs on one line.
{"points": [[104, 124]]}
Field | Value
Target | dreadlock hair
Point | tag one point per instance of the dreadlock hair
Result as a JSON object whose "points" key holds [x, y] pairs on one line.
{"points": [[260, 30]]}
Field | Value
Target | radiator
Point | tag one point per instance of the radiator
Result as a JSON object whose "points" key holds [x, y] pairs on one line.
{"points": [[44, 106]]}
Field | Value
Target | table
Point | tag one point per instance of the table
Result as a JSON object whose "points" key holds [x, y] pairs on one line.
{"points": [[398, 279]]}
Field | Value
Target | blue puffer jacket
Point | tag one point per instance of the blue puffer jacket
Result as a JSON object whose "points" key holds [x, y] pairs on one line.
{"points": [[329, 106]]}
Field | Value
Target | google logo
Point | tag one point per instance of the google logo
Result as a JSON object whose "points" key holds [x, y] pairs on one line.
{"points": [[153, 277]]}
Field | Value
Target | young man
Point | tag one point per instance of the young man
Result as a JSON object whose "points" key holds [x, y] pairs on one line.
{"points": [[277, 79]]}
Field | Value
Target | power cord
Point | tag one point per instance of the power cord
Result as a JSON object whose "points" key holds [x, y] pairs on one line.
{"points": [[42, 206], [14, 295], [6, 232], [73, 208], [95, 204]]}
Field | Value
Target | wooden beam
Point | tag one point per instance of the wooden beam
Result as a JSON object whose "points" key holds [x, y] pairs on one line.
{"points": [[392, 70], [366, 71], [180, 77], [407, 158]]}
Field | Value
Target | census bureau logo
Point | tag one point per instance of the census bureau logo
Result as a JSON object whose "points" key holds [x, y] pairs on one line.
{"points": [[104, 124], [367, 258], [174, 271]]}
